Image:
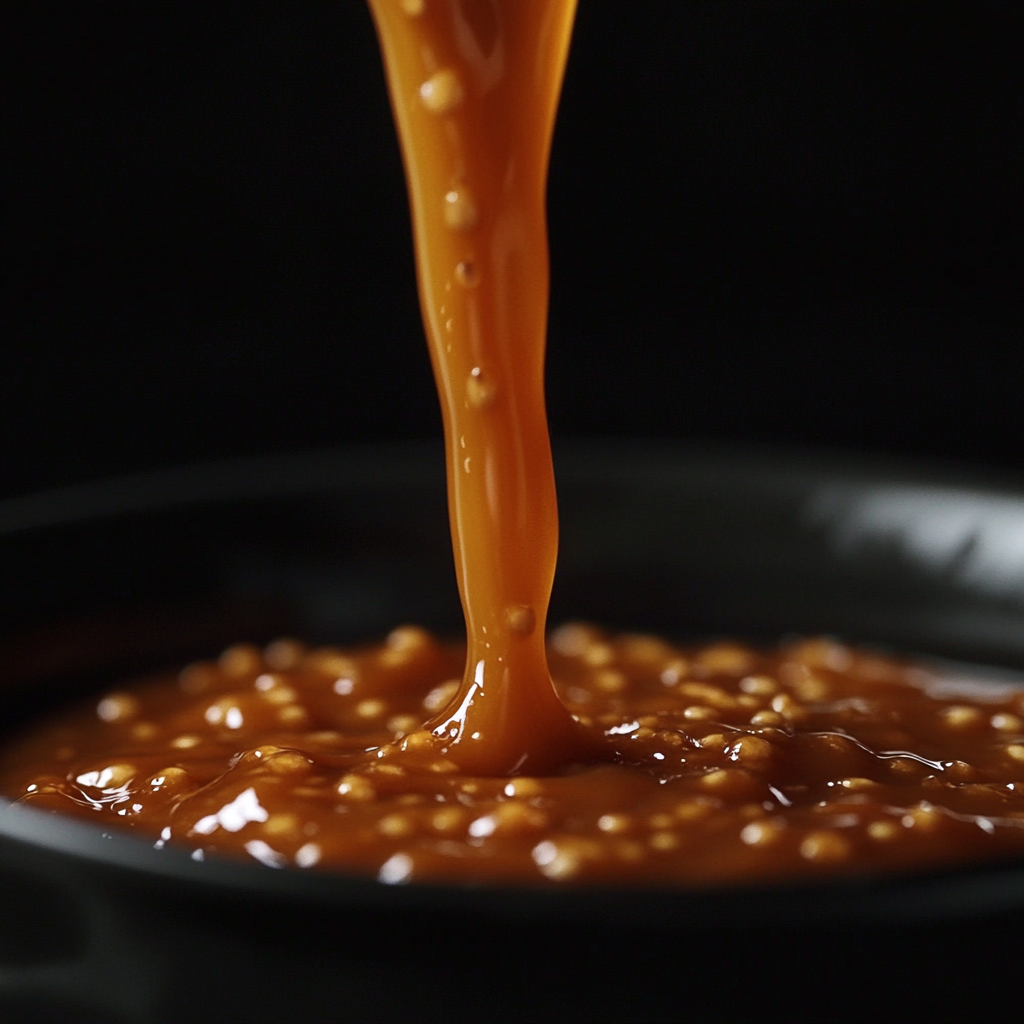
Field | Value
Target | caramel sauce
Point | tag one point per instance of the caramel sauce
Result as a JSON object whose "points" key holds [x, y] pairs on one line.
{"points": [[723, 764], [474, 87], [636, 761]]}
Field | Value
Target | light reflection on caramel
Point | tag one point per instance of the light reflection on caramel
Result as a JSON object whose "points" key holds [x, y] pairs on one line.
{"points": [[474, 87]]}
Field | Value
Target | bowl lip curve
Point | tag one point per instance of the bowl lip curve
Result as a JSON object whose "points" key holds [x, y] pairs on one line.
{"points": [[422, 461]]}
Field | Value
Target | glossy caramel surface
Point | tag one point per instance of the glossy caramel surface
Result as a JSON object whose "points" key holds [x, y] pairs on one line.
{"points": [[474, 86], [719, 764]]}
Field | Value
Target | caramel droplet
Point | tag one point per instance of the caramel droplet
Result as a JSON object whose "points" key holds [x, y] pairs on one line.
{"points": [[442, 92], [520, 619], [467, 274], [118, 707], [459, 209], [284, 654], [480, 392]]}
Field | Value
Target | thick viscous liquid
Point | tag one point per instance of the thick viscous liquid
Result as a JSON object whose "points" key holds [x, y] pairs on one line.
{"points": [[721, 764], [474, 87]]}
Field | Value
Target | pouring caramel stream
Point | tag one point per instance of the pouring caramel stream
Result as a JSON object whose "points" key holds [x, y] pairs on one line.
{"points": [[474, 87]]}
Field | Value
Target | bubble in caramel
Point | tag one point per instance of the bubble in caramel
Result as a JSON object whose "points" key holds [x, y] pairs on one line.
{"points": [[442, 92], [872, 768]]}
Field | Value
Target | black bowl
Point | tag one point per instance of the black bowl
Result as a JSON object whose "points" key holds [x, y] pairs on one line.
{"points": [[126, 576]]}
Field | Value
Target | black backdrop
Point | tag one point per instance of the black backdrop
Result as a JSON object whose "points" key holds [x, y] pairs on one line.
{"points": [[772, 221]]}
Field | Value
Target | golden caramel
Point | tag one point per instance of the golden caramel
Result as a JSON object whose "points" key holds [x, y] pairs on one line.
{"points": [[793, 765], [474, 87]]}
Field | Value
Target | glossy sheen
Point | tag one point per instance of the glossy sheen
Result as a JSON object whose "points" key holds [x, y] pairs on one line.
{"points": [[722, 764], [474, 87]]}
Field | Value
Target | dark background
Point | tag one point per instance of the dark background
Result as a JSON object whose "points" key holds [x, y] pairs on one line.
{"points": [[793, 222]]}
